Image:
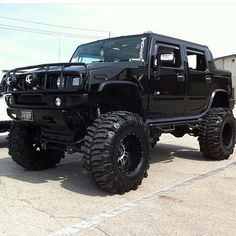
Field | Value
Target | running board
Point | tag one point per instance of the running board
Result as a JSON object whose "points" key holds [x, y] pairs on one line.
{"points": [[169, 126], [166, 129]]}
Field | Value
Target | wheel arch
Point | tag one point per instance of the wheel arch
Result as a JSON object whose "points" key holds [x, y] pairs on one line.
{"points": [[121, 95], [219, 98]]}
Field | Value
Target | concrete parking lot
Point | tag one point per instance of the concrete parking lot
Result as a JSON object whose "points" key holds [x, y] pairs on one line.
{"points": [[184, 194]]}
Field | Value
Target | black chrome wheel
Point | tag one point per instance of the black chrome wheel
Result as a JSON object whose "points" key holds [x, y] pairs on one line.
{"points": [[129, 154], [116, 151]]}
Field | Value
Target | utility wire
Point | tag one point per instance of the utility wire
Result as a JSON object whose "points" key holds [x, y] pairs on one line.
{"points": [[53, 25], [46, 32]]}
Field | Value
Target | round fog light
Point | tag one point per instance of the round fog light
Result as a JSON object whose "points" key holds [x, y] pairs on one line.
{"points": [[58, 102]]}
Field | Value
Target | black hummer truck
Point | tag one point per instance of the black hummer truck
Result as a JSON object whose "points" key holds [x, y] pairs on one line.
{"points": [[113, 100]]}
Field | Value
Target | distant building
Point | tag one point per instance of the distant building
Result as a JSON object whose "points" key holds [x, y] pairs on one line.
{"points": [[228, 63]]}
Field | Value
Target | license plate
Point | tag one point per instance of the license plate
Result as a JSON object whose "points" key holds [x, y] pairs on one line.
{"points": [[27, 115]]}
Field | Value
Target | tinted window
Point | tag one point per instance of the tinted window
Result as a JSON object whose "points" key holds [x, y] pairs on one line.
{"points": [[112, 50], [196, 60], [169, 56]]}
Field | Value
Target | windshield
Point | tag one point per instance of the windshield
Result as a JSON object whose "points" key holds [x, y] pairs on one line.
{"points": [[112, 50]]}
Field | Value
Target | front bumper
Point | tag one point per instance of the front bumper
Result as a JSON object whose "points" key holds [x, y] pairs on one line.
{"points": [[46, 118], [60, 129]]}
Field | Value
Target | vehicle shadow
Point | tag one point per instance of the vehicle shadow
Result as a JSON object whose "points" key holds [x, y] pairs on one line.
{"points": [[70, 172], [168, 152]]}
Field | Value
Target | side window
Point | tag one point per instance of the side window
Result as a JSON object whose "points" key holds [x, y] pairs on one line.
{"points": [[196, 60], [169, 56]]}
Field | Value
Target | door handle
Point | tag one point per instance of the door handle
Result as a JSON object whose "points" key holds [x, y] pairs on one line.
{"points": [[208, 79], [156, 75], [157, 93], [180, 77]]}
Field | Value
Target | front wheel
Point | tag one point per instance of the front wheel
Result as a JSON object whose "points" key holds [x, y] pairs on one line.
{"points": [[116, 148], [217, 134], [26, 151]]}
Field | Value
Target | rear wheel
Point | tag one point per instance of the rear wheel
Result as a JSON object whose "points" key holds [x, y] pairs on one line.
{"points": [[26, 151], [217, 134], [116, 148]]}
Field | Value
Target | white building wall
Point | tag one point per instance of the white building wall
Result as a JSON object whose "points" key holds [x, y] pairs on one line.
{"points": [[228, 63]]}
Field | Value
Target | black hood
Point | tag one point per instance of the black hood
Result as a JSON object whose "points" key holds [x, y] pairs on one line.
{"points": [[98, 66], [99, 69]]}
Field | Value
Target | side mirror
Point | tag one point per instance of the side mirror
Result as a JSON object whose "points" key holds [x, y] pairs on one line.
{"points": [[167, 57]]}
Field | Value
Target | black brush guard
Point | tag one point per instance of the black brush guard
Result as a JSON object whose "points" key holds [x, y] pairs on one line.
{"points": [[56, 124], [41, 68]]}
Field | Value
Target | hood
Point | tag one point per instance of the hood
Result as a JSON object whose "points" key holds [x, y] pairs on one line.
{"points": [[98, 66], [47, 75]]}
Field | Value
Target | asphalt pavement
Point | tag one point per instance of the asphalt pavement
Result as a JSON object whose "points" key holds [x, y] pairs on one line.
{"points": [[184, 194]]}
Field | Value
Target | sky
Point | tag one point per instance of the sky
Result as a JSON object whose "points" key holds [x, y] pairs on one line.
{"points": [[209, 24]]}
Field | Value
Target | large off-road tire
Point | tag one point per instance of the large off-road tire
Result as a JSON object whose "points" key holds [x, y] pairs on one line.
{"points": [[217, 134], [25, 149], [116, 151], [5, 126]]}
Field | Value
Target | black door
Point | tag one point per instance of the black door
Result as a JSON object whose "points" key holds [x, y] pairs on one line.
{"points": [[199, 82], [167, 83]]}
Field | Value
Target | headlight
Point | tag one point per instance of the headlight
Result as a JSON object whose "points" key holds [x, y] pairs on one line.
{"points": [[77, 81], [60, 82], [9, 100]]}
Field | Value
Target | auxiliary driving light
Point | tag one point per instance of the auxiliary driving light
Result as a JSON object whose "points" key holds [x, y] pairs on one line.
{"points": [[58, 102], [11, 81]]}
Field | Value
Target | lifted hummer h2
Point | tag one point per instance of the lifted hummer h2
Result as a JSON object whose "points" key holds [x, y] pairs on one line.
{"points": [[113, 100]]}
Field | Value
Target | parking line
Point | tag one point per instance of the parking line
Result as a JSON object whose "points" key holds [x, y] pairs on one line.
{"points": [[95, 220]]}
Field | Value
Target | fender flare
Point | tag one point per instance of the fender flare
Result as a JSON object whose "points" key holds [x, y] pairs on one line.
{"points": [[106, 85], [213, 95]]}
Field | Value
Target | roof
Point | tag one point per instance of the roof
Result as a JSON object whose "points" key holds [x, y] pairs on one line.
{"points": [[231, 55], [153, 35], [176, 39]]}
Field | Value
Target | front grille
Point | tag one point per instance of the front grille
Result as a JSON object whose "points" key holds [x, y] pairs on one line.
{"points": [[40, 84], [48, 81]]}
